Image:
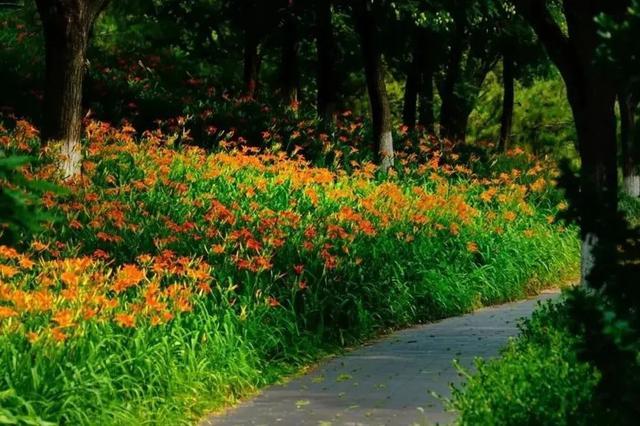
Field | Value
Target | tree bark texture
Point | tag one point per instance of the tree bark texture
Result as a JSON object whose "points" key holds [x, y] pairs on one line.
{"points": [[327, 57], [629, 145], [290, 48], [592, 94], [251, 63], [453, 118], [374, 70], [411, 90], [67, 25], [596, 128], [427, 117]]}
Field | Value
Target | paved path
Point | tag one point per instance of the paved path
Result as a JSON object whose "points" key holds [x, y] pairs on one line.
{"points": [[385, 382]]}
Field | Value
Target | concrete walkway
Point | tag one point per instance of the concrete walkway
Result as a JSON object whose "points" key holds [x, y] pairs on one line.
{"points": [[390, 381]]}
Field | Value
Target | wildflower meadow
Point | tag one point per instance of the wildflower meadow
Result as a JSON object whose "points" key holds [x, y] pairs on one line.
{"points": [[172, 280]]}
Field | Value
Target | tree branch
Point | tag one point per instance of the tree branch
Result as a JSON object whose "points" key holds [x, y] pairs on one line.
{"points": [[556, 43], [96, 8]]}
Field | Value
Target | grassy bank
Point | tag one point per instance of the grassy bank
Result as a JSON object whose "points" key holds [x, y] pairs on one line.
{"points": [[173, 280]]}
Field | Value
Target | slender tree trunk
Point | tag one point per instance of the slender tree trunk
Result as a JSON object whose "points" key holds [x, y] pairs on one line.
{"points": [[67, 25], [251, 63], [427, 118], [374, 70], [453, 118], [290, 50], [506, 121], [458, 103], [411, 90], [629, 145], [327, 57], [453, 124]]}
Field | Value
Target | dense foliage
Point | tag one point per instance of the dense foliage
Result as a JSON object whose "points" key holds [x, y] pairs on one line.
{"points": [[539, 380], [20, 211]]}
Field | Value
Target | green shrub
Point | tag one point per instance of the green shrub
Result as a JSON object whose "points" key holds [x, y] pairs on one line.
{"points": [[19, 212], [537, 381], [630, 206]]}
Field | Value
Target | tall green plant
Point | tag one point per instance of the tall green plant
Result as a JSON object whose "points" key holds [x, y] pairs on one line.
{"points": [[20, 213]]}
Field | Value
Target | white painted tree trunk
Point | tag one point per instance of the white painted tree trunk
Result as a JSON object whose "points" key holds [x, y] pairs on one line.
{"points": [[386, 151], [70, 158], [632, 185], [589, 242]]}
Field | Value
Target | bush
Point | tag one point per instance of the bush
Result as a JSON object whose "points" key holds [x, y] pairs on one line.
{"points": [[539, 379], [20, 210], [630, 206]]}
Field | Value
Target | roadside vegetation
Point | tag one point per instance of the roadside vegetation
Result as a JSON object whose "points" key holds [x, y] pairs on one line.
{"points": [[173, 281], [199, 197]]}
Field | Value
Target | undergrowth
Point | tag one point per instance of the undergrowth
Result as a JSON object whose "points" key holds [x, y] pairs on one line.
{"points": [[538, 380]]}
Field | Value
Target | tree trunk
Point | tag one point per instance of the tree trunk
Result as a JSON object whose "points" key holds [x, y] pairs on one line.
{"points": [[453, 114], [591, 93], [251, 63], [427, 118], [374, 70], [327, 57], [506, 121], [411, 90], [630, 154], [67, 25], [290, 48], [453, 118], [594, 115], [458, 98]]}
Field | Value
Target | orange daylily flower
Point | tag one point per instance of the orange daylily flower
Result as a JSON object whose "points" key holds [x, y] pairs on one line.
{"points": [[70, 278], [59, 335], [273, 302], [6, 312], [7, 271], [125, 320], [63, 318], [129, 276]]}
